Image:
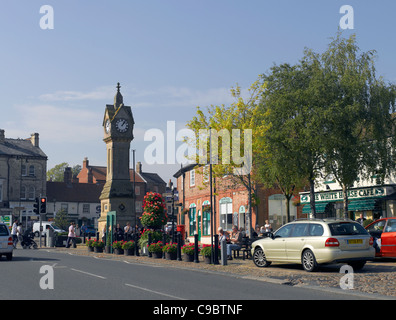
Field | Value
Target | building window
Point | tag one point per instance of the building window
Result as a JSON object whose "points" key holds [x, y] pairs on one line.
{"points": [[32, 192], [192, 219], [206, 221], [65, 208], [226, 213], [23, 193], [32, 172], [86, 208], [139, 206], [23, 170], [192, 178]]}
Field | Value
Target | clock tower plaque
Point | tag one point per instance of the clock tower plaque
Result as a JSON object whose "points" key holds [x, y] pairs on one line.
{"points": [[117, 194]]}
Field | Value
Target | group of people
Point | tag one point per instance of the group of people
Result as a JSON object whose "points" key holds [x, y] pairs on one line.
{"points": [[120, 233], [234, 239]]}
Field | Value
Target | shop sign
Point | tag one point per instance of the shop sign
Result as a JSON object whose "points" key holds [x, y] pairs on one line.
{"points": [[352, 194]]}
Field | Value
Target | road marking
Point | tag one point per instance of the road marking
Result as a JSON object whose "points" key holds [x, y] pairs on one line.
{"points": [[156, 292], [90, 274]]}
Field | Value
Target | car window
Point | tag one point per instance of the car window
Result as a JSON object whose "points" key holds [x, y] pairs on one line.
{"points": [[346, 229], [300, 230], [377, 226], [315, 230], [3, 230], [391, 226], [284, 232]]}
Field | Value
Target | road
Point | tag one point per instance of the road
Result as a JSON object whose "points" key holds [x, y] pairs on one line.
{"points": [[87, 277]]}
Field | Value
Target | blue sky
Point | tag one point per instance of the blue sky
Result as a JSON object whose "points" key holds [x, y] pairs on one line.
{"points": [[169, 56]]}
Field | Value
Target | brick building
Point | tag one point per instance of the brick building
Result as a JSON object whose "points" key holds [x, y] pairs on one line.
{"points": [[231, 204]]}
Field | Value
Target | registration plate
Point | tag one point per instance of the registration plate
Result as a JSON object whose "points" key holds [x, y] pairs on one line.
{"points": [[355, 241]]}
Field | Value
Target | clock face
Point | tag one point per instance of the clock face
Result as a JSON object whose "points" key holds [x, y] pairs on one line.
{"points": [[107, 126], [122, 125]]}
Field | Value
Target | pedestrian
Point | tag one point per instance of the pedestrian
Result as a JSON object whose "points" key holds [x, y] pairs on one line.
{"points": [[223, 236], [119, 233], [236, 240], [128, 232], [360, 220], [267, 226], [71, 236], [14, 233], [20, 233]]}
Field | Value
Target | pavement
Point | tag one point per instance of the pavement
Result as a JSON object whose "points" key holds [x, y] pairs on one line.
{"points": [[376, 278]]}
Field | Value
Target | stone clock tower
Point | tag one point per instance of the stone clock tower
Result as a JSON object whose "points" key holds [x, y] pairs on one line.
{"points": [[117, 194]]}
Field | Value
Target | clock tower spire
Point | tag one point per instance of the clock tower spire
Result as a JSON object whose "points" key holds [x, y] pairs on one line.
{"points": [[117, 194]]}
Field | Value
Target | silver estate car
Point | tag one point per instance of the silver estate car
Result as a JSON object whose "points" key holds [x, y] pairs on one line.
{"points": [[314, 242], [6, 243]]}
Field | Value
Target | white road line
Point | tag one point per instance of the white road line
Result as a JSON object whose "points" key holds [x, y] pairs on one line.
{"points": [[90, 274], [152, 291]]}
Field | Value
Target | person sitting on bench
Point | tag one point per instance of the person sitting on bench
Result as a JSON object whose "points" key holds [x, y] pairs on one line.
{"points": [[236, 240]]}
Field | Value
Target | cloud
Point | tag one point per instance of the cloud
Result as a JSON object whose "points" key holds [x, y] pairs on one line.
{"points": [[101, 93]]}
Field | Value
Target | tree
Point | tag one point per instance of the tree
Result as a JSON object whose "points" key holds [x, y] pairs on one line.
{"points": [[57, 173], [329, 113], [225, 125]]}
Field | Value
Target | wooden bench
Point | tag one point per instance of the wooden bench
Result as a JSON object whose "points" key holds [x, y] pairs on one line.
{"points": [[246, 247]]}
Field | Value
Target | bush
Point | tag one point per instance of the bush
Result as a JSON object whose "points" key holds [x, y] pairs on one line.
{"points": [[155, 247], [170, 248], [128, 245], [189, 249]]}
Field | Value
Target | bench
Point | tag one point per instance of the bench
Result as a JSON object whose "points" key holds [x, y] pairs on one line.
{"points": [[246, 247]]}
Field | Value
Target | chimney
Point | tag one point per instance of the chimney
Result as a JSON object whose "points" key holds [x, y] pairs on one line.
{"points": [[85, 163], [90, 175], [34, 138], [139, 167], [68, 175], [2, 136]]}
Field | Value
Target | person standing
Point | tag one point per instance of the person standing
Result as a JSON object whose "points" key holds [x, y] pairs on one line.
{"points": [[14, 233], [71, 236]]}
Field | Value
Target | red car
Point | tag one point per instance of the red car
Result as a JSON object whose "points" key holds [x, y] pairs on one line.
{"points": [[384, 233]]}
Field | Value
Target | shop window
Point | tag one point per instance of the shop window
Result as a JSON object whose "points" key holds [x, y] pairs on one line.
{"points": [[226, 213]]}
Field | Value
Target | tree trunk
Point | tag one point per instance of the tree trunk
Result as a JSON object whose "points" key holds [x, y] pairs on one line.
{"points": [[345, 197]]}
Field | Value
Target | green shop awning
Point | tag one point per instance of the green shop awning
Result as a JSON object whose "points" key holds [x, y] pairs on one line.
{"points": [[363, 205], [320, 207]]}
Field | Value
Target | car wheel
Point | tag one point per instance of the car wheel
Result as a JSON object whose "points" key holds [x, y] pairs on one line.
{"points": [[308, 261], [259, 258]]}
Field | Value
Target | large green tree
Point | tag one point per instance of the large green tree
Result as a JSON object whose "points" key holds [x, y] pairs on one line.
{"points": [[328, 114]]}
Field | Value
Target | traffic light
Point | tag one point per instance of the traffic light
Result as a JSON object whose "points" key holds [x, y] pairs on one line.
{"points": [[36, 206], [43, 205]]}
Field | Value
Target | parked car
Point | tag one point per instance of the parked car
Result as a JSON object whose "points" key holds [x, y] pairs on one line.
{"points": [[384, 233], [6, 243], [315, 242]]}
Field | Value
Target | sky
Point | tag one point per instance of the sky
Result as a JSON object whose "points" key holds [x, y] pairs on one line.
{"points": [[170, 56]]}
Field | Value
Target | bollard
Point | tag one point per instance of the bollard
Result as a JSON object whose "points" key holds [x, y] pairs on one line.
{"points": [[136, 238], [216, 249], [163, 242], [84, 238], [148, 245], [196, 260], [97, 236], [223, 246], [179, 243]]}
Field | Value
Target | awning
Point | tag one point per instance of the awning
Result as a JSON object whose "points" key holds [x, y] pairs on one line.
{"points": [[319, 206], [363, 205]]}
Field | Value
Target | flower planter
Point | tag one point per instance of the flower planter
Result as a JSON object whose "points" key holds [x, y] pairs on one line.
{"points": [[90, 249], [170, 255], [207, 260], [157, 255], [118, 251], [98, 249], [108, 249], [188, 257], [129, 252]]}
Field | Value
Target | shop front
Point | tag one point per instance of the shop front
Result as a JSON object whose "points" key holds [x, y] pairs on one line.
{"points": [[371, 202]]}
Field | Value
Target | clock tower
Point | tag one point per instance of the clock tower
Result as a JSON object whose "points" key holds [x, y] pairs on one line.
{"points": [[117, 194]]}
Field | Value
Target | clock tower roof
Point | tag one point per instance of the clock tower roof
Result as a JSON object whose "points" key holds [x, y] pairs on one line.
{"points": [[118, 99]]}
